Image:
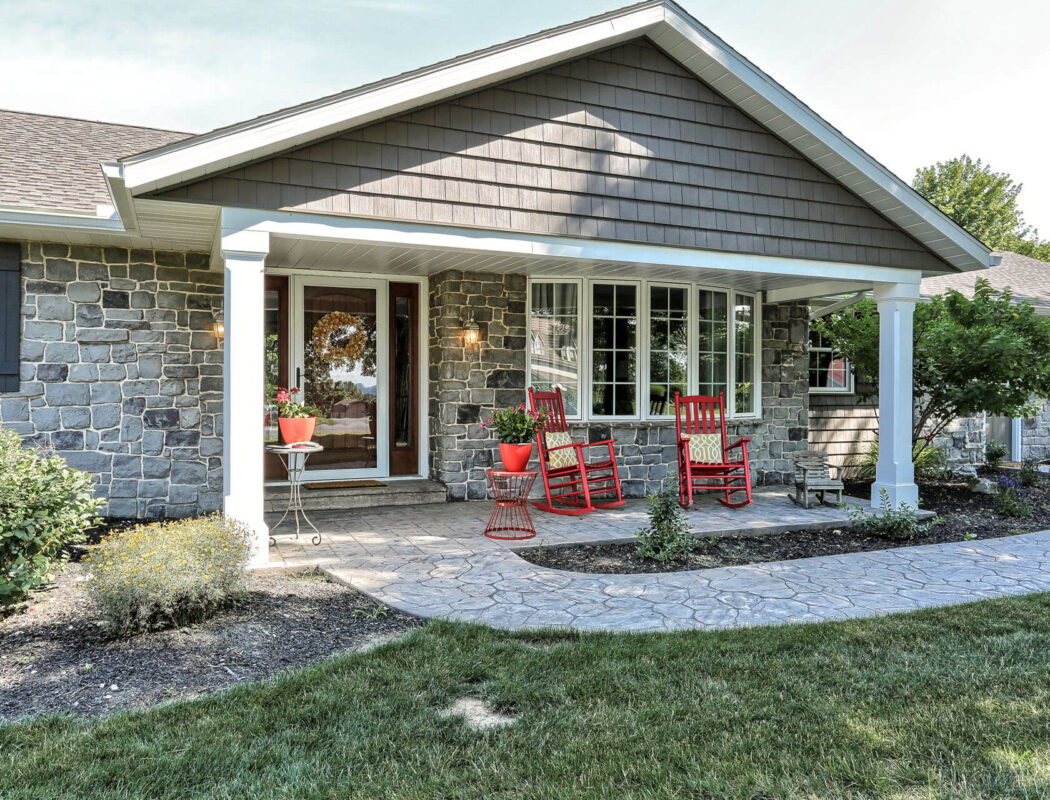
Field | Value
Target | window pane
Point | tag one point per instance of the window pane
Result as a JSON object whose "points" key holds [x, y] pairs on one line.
{"points": [[668, 347], [827, 369], [614, 352], [712, 345], [554, 323], [744, 341]]}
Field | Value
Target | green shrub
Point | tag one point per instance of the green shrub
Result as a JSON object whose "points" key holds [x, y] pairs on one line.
{"points": [[1011, 499], [930, 462], [44, 505], [667, 536], [1029, 474], [994, 453], [899, 524], [167, 574]]}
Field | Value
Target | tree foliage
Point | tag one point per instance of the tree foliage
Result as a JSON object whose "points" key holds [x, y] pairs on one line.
{"points": [[986, 354], [983, 202]]}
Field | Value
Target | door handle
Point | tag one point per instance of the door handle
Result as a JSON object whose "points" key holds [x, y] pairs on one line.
{"points": [[298, 378]]}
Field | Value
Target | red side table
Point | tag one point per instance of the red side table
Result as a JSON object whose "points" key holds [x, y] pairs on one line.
{"points": [[511, 493]]}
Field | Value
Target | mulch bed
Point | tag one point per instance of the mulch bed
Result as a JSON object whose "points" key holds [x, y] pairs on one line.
{"points": [[54, 657], [963, 513]]}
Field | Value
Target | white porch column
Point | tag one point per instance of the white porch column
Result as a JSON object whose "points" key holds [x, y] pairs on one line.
{"points": [[244, 254], [895, 471]]}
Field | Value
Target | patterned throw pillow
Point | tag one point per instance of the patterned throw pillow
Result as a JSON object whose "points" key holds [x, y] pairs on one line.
{"points": [[705, 448], [560, 458]]}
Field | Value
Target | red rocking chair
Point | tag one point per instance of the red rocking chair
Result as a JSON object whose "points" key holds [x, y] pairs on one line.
{"points": [[569, 479], [703, 455]]}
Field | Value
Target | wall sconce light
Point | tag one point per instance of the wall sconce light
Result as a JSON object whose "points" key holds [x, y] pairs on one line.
{"points": [[219, 321], [471, 332]]}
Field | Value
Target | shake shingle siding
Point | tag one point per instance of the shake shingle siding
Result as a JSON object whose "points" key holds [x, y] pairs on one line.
{"points": [[621, 145]]}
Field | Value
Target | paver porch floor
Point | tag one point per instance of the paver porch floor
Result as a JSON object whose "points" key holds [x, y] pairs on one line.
{"points": [[432, 561]]}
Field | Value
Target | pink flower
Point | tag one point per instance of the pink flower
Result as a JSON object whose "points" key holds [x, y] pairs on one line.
{"points": [[483, 424], [522, 406], [283, 396], [294, 391]]}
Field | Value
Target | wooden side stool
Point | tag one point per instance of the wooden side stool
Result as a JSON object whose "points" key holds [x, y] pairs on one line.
{"points": [[812, 474]]}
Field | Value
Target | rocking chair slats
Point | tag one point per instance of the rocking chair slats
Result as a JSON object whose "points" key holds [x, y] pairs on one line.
{"points": [[580, 487], [702, 414]]}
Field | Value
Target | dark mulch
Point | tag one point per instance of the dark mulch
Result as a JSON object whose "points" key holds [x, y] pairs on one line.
{"points": [[963, 513], [54, 656]]}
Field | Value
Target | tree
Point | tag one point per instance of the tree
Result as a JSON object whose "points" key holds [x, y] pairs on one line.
{"points": [[983, 202], [986, 354]]}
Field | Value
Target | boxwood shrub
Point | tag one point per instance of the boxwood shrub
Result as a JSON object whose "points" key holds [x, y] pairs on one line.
{"points": [[44, 506], [167, 574]]}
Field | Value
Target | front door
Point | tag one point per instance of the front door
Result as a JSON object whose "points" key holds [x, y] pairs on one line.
{"points": [[352, 346], [340, 362]]}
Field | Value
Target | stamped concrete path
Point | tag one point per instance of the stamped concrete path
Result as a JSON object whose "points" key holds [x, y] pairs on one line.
{"points": [[432, 561]]}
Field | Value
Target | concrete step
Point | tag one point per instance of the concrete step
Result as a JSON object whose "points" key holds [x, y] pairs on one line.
{"points": [[394, 493]]}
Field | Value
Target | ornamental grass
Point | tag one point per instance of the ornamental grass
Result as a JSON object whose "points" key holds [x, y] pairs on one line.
{"points": [[167, 574]]}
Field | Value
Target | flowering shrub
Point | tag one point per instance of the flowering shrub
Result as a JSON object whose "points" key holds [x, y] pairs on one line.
{"points": [[1011, 498], [290, 405], [44, 505], [515, 425], [167, 574]]}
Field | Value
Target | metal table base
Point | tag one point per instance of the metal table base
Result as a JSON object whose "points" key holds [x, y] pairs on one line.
{"points": [[294, 456]]}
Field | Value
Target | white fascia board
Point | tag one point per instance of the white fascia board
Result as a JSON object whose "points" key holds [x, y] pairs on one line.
{"points": [[256, 139], [299, 225], [49, 219]]}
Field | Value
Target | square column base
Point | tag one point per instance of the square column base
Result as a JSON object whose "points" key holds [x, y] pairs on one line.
{"points": [[906, 493]]}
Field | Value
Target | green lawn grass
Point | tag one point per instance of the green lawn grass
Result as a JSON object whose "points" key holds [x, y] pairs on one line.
{"points": [[942, 703]]}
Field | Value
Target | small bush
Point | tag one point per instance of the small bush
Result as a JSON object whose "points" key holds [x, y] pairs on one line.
{"points": [[167, 574], [930, 462], [994, 453], [44, 506], [1011, 498], [667, 536], [899, 524], [1029, 474]]}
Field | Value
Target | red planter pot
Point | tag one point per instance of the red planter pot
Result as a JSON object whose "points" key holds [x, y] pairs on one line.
{"points": [[515, 457], [296, 430]]}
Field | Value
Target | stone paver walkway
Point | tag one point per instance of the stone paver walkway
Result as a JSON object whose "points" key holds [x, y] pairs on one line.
{"points": [[432, 561]]}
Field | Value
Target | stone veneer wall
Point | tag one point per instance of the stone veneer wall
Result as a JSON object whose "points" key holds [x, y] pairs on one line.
{"points": [[1035, 434], [465, 387], [121, 373]]}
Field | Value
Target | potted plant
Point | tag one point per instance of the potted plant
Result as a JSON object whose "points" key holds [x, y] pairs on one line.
{"points": [[516, 429], [295, 419]]}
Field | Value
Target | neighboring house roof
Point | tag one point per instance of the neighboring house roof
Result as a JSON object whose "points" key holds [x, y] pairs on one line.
{"points": [[1028, 278], [49, 162], [665, 23]]}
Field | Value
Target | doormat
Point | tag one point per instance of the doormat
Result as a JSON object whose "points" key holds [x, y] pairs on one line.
{"points": [[342, 484]]}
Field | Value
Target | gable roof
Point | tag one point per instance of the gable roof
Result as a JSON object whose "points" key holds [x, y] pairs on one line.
{"points": [[1028, 279], [49, 162], [669, 27]]}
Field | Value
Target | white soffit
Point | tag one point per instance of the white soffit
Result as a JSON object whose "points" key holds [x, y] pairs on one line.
{"points": [[665, 23]]}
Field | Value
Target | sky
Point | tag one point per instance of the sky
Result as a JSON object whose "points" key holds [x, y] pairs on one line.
{"points": [[911, 81]]}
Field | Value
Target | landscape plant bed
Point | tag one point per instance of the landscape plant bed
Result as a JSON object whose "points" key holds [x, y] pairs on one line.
{"points": [[55, 657], [964, 515]]}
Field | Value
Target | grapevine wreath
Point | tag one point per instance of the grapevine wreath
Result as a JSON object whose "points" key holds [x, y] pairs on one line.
{"points": [[339, 322]]}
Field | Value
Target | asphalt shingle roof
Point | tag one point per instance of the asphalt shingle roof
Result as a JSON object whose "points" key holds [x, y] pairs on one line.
{"points": [[52, 162], [1028, 278]]}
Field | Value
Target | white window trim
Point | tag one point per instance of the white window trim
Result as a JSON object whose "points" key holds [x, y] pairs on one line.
{"points": [[585, 339], [849, 388]]}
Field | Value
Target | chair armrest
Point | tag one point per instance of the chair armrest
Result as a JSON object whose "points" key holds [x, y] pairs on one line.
{"points": [[739, 443], [595, 444], [563, 446]]}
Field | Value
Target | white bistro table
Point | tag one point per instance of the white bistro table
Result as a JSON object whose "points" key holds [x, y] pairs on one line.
{"points": [[294, 456]]}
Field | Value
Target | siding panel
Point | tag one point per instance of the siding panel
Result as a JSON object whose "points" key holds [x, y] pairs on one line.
{"points": [[623, 144]]}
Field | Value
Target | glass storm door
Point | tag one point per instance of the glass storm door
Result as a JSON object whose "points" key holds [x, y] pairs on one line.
{"points": [[340, 354]]}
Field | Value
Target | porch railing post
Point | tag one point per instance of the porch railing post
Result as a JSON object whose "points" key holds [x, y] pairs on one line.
{"points": [[244, 255], [895, 472]]}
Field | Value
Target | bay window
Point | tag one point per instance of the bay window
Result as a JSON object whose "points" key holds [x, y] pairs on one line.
{"points": [[622, 349]]}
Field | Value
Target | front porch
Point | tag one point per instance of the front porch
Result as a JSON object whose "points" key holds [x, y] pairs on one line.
{"points": [[432, 561]]}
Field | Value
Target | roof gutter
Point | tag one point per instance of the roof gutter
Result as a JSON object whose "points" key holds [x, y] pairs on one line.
{"points": [[113, 171], [841, 304]]}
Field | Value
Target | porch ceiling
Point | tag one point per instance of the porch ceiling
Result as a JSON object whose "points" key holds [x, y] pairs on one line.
{"points": [[356, 257]]}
